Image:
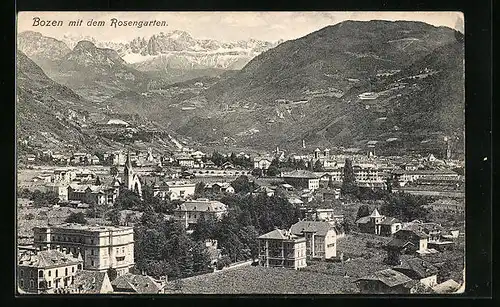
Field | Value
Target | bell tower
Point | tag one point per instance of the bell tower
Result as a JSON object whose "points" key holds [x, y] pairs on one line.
{"points": [[128, 173]]}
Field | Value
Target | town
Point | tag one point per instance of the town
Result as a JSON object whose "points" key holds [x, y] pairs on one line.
{"points": [[319, 220]]}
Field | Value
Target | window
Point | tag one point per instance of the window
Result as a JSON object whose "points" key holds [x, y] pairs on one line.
{"points": [[92, 252], [32, 274], [40, 274], [32, 283], [50, 273], [72, 269], [66, 271], [92, 262], [50, 284], [21, 273], [79, 267], [57, 273], [21, 283]]}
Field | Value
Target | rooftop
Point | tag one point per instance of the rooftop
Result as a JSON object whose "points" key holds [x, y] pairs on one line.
{"points": [[419, 266], [300, 174], [46, 258], [88, 282], [135, 283], [279, 234], [202, 204], [389, 277], [93, 228], [318, 227]]}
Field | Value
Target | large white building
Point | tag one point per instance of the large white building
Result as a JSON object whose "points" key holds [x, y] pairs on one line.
{"points": [[174, 190], [101, 247]]}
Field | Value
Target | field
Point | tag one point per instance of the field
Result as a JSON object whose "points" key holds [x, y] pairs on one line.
{"points": [[261, 280]]}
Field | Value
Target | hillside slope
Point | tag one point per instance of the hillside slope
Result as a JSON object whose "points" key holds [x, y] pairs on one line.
{"points": [[47, 113], [319, 88]]}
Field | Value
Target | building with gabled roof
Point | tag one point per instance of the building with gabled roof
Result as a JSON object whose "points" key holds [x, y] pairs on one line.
{"points": [[281, 248], [140, 284], [417, 237], [91, 282], [101, 247], [379, 224], [387, 281], [321, 238], [46, 271], [191, 211], [302, 179], [419, 269]]}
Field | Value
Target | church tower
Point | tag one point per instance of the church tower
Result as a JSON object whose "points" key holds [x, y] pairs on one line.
{"points": [[130, 179], [128, 174]]}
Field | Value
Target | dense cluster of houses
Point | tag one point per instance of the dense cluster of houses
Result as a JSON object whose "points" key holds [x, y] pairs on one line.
{"points": [[77, 259]]}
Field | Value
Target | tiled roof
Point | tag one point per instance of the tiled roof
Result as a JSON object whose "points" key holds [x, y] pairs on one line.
{"points": [[363, 220], [398, 243], [300, 174], [278, 234], [417, 233], [390, 221], [389, 277], [420, 267], [135, 283], [202, 205], [375, 213], [318, 227], [448, 286], [89, 282], [46, 258]]}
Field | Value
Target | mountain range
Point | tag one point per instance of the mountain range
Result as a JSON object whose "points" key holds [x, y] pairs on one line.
{"points": [[399, 85]]}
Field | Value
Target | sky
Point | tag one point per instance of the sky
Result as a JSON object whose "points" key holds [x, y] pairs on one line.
{"points": [[222, 26]]}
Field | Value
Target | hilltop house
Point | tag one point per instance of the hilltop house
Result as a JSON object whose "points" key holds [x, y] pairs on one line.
{"points": [[280, 248], [379, 224], [321, 238]]}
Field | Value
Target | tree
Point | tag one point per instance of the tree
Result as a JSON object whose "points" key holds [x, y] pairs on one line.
{"points": [[330, 183], [113, 170], [241, 185], [363, 210], [406, 207], [318, 166], [349, 186], [272, 171], [199, 189], [128, 200], [78, 218], [257, 172], [204, 229]]}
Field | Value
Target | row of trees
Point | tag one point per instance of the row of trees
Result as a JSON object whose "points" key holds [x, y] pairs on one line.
{"points": [[220, 159]]}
